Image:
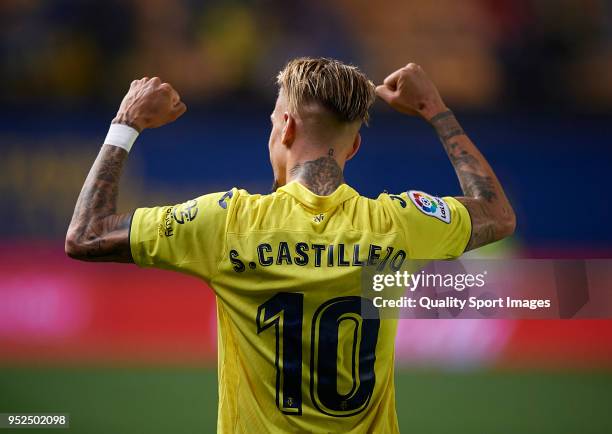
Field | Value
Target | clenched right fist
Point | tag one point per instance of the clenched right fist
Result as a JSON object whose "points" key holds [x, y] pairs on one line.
{"points": [[149, 103], [409, 90]]}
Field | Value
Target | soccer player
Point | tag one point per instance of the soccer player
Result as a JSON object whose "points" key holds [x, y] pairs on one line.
{"points": [[295, 352]]}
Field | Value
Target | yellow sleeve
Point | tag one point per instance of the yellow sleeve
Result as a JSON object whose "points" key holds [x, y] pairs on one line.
{"points": [[435, 228], [188, 237]]}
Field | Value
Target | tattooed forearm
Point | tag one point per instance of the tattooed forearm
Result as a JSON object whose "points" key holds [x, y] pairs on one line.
{"points": [[473, 177], [491, 213], [322, 176], [446, 126], [96, 232]]}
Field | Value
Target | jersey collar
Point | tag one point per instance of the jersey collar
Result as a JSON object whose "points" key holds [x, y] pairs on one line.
{"points": [[314, 201]]}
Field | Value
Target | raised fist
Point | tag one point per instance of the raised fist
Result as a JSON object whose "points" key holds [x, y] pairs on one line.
{"points": [[149, 103], [409, 90]]}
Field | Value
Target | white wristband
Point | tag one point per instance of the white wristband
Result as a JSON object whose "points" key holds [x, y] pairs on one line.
{"points": [[121, 135]]}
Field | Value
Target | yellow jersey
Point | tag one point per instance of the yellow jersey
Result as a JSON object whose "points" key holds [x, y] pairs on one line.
{"points": [[295, 352]]}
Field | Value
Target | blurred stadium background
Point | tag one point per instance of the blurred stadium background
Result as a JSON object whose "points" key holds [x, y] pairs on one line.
{"points": [[127, 350]]}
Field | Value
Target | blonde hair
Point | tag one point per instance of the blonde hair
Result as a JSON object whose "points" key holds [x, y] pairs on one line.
{"points": [[342, 89]]}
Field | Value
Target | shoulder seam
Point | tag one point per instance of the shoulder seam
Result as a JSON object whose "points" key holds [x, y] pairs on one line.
{"points": [[229, 217]]}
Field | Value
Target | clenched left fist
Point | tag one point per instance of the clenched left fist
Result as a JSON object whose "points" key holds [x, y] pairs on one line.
{"points": [[149, 103], [409, 90]]}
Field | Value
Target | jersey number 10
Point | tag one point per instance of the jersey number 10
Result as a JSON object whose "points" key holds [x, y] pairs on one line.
{"points": [[284, 311]]}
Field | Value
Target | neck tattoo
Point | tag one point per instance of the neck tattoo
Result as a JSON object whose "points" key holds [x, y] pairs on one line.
{"points": [[322, 176]]}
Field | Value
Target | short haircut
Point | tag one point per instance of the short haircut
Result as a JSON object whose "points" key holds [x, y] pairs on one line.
{"points": [[342, 89]]}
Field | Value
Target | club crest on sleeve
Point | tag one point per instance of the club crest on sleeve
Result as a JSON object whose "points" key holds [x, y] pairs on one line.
{"points": [[225, 199], [185, 212], [430, 205]]}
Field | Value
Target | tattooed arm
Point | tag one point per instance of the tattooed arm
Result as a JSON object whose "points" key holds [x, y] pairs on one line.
{"points": [[96, 231], [491, 213], [409, 90]]}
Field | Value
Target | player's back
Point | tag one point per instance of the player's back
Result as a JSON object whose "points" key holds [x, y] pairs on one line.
{"points": [[297, 350], [297, 353]]}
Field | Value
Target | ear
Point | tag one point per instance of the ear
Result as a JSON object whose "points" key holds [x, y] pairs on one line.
{"points": [[355, 148], [288, 133]]}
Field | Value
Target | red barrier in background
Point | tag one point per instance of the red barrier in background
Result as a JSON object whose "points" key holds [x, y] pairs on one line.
{"points": [[53, 308], [56, 310]]}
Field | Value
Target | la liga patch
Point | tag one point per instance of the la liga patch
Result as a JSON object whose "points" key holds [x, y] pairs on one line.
{"points": [[430, 205]]}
